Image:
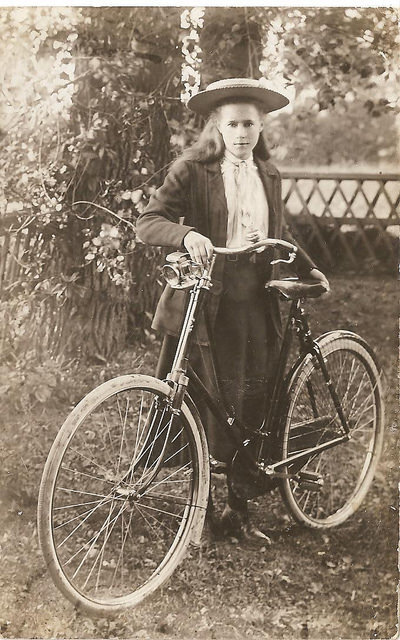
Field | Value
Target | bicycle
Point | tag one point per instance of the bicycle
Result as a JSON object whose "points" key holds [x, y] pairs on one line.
{"points": [[126, 484]]}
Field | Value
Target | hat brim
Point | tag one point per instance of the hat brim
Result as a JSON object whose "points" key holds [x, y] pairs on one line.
{"points": [[207, 100]]}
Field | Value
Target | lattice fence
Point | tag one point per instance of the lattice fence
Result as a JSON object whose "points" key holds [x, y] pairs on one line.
{"points": [[345, 219], [341, 219]]}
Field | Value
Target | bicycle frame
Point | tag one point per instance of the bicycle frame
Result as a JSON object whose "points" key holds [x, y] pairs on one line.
{"points": [[181, 373], [297, 322]]}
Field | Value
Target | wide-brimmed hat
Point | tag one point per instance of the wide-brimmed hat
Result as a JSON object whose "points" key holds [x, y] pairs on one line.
{"points": [[237, 88]]}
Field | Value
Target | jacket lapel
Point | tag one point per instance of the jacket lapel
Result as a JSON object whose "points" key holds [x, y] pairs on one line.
{"points": [[270, 179], [217, 207]]}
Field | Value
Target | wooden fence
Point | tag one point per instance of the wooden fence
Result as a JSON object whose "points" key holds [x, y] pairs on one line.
{"points": [[349, 219], [90, 315], [14, 243], [340, 218]]}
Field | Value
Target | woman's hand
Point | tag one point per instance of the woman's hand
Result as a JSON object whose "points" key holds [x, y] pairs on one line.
{"points": [[200, 247], [316, 274], [255, 236]]}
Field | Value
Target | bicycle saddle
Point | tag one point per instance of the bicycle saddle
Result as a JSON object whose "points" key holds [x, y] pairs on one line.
{"points": [[296, 289]]}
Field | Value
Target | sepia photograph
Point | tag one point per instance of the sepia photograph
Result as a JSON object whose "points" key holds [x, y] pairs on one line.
{"points": [[199, 242]]}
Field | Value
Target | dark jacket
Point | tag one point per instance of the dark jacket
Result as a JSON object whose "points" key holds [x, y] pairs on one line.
{"points": [[193, 197]]}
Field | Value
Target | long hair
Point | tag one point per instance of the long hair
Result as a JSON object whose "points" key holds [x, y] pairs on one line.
{"points": [[210, 145]]}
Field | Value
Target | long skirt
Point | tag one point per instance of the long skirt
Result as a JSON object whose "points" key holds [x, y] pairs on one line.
{"points": [[246, 350]]}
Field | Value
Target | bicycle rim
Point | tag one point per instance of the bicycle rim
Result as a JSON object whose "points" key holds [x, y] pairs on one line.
{"points": [[123, 489], [340, 476]]}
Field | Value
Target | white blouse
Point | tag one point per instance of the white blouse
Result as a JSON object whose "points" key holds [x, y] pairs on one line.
{"points": [[246, 199]]}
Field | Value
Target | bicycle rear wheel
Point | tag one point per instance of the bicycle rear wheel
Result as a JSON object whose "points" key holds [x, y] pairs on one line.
{"points": [[334, 482], [124, 491]]}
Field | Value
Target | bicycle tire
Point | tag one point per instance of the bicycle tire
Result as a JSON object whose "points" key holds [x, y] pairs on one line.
{"points": [[346, 471], [124, 492]]}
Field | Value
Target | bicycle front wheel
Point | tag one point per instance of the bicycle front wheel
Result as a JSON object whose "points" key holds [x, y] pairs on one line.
{"points": [[124, 491], [334, 482]]}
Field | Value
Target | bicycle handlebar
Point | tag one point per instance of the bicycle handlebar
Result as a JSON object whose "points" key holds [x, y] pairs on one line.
{"points": [[266, 242], [179, 273]]}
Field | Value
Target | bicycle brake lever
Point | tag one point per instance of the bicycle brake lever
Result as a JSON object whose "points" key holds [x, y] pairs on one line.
{"points": [[292, 256]]}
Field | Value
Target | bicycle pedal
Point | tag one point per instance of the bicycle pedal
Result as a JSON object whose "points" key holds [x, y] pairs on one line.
{"points": [[309, 475], [309, 481]]}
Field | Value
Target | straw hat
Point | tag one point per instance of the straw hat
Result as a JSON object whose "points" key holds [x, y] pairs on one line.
{"points": [[247, 89]]}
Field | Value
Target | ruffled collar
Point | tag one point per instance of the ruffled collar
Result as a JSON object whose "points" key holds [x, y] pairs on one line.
{"points": [[229, 160]]}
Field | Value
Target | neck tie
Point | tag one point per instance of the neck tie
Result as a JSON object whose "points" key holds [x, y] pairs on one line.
{"points": [[246, 201], [242, 185]]}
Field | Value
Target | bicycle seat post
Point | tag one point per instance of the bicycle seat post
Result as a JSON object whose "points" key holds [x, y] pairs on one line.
{"points": [[302, 326]]}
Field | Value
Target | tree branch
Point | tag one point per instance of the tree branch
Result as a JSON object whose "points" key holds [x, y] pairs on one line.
{"points": [[99, 206]]}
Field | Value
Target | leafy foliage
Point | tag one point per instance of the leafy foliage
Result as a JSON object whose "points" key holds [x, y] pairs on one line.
{"points": [[94, 116], [108, 146], [339, 67]]}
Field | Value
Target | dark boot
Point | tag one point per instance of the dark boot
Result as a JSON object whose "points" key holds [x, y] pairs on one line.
{"points": [[212, 524], [235, 520]]}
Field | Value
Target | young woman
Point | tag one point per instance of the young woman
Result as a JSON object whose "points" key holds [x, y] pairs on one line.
{"points": [[224, 191]]}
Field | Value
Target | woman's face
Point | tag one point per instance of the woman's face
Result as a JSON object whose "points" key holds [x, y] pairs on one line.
{"points": [[240, 125]]}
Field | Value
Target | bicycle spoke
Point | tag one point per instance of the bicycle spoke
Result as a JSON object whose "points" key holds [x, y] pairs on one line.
{"points": [[123, 420], [167, 513], [161, 523], [80, 524], [121, 554], [353, 370], [177, 436], [74, 505], [109, 433], [105, 526], [100, 554], [366, 410], [359, 387], [137, 437], [157, 484], [87, 493], [171, 457], [88, 475], [149, 448], [79, 453], [90, 511], [165, 497], [153, 529]]}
